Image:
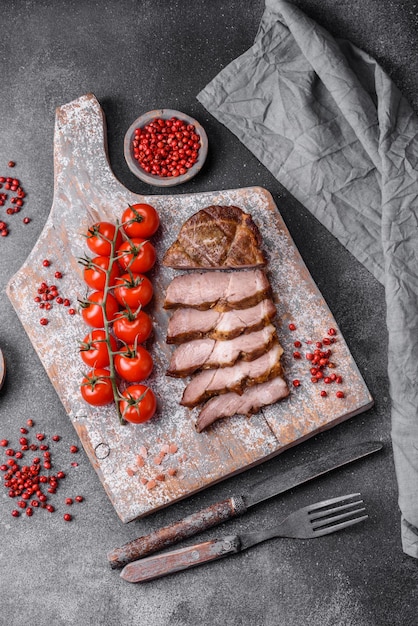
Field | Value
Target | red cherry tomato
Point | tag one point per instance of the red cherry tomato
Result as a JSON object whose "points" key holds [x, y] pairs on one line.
{"points": [[133, 290], [134, 363], [96, 388], [95, 272], [132, 327], [140, 220], [94, 349], [92, 312], [139, 404], [137, 255], [100, 237]]}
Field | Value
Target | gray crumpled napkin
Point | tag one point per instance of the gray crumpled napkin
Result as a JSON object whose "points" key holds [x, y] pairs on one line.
{"points": [[331, 126]]}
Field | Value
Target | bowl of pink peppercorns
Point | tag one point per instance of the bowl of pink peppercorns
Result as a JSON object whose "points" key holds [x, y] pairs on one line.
{"points": [[165, 147]]}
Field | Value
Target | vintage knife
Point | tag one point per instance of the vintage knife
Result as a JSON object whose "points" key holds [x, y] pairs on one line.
{"points": [[237, 505]]}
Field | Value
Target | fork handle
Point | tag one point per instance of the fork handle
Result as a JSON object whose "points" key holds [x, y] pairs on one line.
{"points": [[163, 564]]}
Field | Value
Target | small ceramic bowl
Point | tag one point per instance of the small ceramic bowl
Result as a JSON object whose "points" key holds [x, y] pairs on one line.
{"points": [[164, 181]]}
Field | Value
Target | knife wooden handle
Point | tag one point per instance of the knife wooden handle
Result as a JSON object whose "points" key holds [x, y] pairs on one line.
{"points": [[177, 560], [169, 535]]}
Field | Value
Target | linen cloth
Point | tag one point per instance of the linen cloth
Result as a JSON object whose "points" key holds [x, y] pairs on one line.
{"points": [[332, 127]]}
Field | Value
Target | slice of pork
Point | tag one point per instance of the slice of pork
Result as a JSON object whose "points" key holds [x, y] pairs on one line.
{"points": [[236, 378], [222, 291], [248, 403], [188, 324], [208, 353]]}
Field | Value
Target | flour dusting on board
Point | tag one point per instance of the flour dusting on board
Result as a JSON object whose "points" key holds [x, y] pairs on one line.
{"points": [[86, 191]]}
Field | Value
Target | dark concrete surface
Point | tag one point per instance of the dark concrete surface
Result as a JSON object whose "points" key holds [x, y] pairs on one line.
{"points": [[136, 56]]}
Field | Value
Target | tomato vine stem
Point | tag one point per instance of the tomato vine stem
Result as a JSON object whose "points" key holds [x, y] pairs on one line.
{"points": [[106, 291]]}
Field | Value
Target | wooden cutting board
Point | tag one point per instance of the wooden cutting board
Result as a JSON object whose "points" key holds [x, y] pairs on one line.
{"points": [[86, 191]]}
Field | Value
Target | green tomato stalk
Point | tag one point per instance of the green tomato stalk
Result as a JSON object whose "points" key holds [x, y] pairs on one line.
{"points": [[107, 325], [106, 291]]}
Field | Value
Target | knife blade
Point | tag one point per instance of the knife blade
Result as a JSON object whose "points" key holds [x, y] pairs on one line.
{"points": [[239, 504]]}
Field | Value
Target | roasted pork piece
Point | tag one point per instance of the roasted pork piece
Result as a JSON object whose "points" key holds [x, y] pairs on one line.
{"points": [[250, 402], [223, 291], [236, 378], [208, 353], [188, 324], [216, 237]]}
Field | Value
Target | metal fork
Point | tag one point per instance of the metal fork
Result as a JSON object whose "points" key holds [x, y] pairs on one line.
{"points": [[315, 520]]}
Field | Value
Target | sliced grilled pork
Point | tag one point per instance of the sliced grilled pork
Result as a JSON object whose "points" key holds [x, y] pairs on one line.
{"points": [[216, 237], [243, 374], [188, 324], [223, 291], [248, 403], [208, 353]]}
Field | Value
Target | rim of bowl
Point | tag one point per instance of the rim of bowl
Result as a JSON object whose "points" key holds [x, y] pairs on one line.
{"points": [[160, 181]]}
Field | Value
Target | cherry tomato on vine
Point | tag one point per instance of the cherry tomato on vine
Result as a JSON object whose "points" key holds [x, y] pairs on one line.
{"points": [[132, 327], [140, 220], [92, 311], [96, 388], [137, 255], [94, 349], [139, 404], [100, 236], [133, 290], [134, 363], [94, 272]]}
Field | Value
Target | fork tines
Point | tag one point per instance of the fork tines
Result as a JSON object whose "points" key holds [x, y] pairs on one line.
{"points": [[325, 520]]}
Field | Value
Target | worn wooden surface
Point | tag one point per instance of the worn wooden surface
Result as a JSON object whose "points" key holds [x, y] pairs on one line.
{"points": [[85, 191]]}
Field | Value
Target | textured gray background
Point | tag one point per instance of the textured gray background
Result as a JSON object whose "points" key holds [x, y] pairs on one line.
{"points": [[136, 56]]}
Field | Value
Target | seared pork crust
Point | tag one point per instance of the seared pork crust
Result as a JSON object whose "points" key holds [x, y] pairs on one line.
{"points": [[216, 237]]}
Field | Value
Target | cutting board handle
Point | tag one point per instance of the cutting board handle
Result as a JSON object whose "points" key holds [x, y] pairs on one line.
{"points": [[83, 178]]}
